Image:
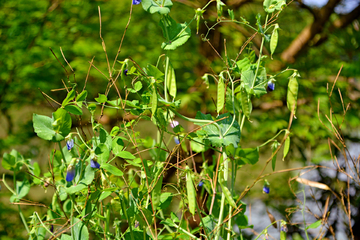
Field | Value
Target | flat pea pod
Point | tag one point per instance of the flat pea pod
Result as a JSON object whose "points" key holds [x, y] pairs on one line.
{"points": [[286, 147], [191, 193], [292, 92], [245, 102], [171, 81], [154, 101], [274, 39], [220, 94], [274, 146], [228, 196]]}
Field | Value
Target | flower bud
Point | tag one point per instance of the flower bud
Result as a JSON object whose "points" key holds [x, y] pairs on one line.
{"points": [[70, 144], [70, 173], [270, 86], [136, 2], [94, 164]]}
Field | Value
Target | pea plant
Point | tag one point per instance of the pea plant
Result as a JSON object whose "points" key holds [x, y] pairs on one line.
{"points": [[111, 183]]}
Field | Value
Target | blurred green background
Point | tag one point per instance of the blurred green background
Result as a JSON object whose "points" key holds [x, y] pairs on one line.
{"points": [[28, 29]]}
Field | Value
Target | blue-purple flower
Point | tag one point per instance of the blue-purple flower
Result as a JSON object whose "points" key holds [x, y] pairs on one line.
{"points": [[70, 144], [94, 164], [270, 86], [136, 2], [176, 139], [125, 72], [201, 183], [284, 228], [70, 173], [266, 189]]}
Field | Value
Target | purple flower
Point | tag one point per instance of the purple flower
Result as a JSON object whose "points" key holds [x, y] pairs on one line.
{"points": [[266, 189], [270, 86], [136, 2], [94, 164], [52, 228], [284, 228], [173, 123], [70, 144], [201, 183], [125, 72], [176, 139], [70, 173]]}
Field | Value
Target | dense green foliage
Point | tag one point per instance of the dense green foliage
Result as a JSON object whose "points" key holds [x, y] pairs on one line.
{"points": [[163, 80]]}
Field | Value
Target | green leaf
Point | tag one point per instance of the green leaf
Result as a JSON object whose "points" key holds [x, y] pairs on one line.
{"points": [[125, 154], [247, 155], [153, 71], [43, 127], [89, 175], [117, 146], [248, 77], [272, 5], [22, 189], [74, 189], [176, 34], [242, 221], [212, 132], [103, 135], [102, 153], [101, 99], [82, 96], [104, 195], [79, 231], [112, 169], [314, 225], [243, 64], [137, 86], [63, 119], [209, 223], [73, 109], [165, 200], [70, 96], [36, 172], [152, 6], [65, 237], [55, 128], [9, 161]]}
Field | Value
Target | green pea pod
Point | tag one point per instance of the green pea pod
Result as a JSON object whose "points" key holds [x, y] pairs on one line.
{"points": [[171, 81], [286, 147], [191, 193], [292, 92], [228, 196], [274, 39], [154, 101], [220, 94], [245, 102], [274, 146], [156, 193]]}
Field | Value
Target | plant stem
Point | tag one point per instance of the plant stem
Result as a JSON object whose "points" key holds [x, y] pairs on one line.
{"points": [[260, 53], [222, 206]]}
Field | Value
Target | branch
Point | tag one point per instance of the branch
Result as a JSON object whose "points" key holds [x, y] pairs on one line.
{"points": [[308, 33]]}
